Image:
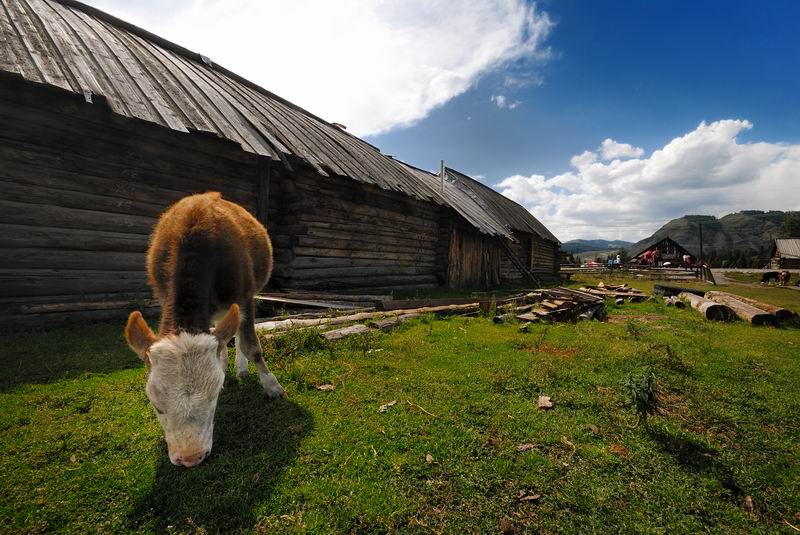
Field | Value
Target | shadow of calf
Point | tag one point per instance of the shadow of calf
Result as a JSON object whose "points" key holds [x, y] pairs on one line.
{"points": [[696, 457], [254, 441]]}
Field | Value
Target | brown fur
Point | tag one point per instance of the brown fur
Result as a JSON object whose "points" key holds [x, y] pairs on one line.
{"points": [[205, 255]]}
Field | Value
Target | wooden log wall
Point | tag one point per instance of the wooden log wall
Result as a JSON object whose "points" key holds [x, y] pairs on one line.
{"points": [[544, 255], [336, 233], [80, 189], [474, 260]]}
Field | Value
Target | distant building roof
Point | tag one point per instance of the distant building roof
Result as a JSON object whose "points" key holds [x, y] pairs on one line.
{"points": [[636, 251], [78, 48], [787, 248]]}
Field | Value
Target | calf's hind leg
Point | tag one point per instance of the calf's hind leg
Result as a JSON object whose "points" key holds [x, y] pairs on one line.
{"points": [[248, 348]]}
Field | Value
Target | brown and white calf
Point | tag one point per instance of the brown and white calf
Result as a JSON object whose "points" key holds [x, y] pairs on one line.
{"points": [[207, 259]]}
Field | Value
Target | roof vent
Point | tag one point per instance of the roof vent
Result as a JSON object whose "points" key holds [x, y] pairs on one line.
{"points": [[340, 126], [206, 60]]}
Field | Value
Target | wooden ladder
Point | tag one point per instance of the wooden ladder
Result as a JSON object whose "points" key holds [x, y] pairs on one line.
{"points": [[519, 265]]}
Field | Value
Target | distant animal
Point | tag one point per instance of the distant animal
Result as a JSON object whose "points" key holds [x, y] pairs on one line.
{"points": [[206, 260], [769, 276], [783, 278]]}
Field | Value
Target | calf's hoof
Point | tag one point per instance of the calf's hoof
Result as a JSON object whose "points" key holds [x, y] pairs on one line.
{"points": [[272, 387]]}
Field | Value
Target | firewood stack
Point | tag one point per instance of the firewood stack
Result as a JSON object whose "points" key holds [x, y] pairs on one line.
{"points": [[555, 304], [616, 291]]}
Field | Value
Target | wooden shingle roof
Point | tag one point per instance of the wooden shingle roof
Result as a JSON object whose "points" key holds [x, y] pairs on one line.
{"points": [[511, 214], [78, 48], [787, 247]]}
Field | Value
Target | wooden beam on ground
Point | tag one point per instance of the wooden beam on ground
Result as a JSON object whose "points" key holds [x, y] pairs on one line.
{"points": [[344, 332]]}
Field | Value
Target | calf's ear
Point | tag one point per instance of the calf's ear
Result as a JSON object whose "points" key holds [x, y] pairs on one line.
{"points": [[226, 327], [139, 336]]}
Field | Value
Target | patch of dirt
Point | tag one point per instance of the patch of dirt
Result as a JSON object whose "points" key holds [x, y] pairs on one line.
{"points": [[646, 318], [557, 351]]}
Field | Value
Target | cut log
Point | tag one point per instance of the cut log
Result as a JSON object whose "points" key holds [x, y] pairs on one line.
{"points": [[746, 311], [708, 308], [595, 312], [782, 314], [344, 332], [673, 300], [619, 301]]}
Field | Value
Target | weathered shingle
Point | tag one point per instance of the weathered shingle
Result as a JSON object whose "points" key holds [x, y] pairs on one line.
{"points": [[788, 248], [81, 49]]}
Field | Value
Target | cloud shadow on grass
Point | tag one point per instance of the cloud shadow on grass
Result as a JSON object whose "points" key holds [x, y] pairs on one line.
{"points": [[254, 441]]}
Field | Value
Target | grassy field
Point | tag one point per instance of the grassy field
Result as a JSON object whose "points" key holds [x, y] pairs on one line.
{"points": [[81, 451]]}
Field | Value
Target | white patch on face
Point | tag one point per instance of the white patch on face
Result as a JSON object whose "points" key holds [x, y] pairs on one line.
{"points": [[184, 384]]}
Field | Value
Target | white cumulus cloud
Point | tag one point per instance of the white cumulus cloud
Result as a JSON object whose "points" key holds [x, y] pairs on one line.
{"points": [[369, 64], [612, 150], [706, 171]]}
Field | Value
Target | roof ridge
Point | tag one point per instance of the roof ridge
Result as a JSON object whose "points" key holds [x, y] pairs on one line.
{"points": [[200, 58]]}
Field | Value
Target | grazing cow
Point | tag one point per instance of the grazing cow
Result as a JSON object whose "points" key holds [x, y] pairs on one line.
{"points": [[769, 276], [783, 278], [206, 260]]}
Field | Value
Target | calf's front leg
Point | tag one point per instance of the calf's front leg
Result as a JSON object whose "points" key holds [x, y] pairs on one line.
{"points": [[248, 348]]}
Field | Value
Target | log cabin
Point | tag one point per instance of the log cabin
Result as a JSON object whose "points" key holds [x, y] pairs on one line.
{"points": [[671, 251], [785, 254], [103, 125]]}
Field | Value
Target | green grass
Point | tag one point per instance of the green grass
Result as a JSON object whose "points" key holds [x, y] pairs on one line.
{"points": [[81, 451], [743, 277]]}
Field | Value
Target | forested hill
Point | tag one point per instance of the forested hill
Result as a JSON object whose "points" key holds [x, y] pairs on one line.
{"points": [[582, 246], [742, 239]]}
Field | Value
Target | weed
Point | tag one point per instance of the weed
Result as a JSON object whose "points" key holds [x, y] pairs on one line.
{"points": [[634, 329], [642, 394]]}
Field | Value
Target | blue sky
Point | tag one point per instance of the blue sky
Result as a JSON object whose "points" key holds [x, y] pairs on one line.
{"points": [[637, 71], [605, 119]]}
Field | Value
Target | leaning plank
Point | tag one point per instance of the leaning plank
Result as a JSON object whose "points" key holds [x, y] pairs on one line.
{"points": [[708, 308], [306, 303], [300, 294], [311, 322], [417, 303], [781, 314], [344, 332], [747, 312]]}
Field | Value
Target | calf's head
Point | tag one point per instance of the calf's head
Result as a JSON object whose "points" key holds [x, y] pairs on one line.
{"points": [[186, 375]]}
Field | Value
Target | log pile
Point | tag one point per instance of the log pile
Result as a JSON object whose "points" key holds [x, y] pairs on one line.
{"points": [[556, 304]]}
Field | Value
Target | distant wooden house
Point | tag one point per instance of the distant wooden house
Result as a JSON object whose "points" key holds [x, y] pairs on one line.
{"points": [[103, 125], [671, 251], [785, 254]]}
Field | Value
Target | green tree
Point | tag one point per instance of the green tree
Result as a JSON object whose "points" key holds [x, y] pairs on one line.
{"points": [[790, 227]]}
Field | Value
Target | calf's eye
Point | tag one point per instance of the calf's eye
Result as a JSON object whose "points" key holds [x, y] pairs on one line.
{"points": [[159, 411]]}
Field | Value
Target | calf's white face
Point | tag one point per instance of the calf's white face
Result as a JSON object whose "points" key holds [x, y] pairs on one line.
{"points": [[187, 372]]}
